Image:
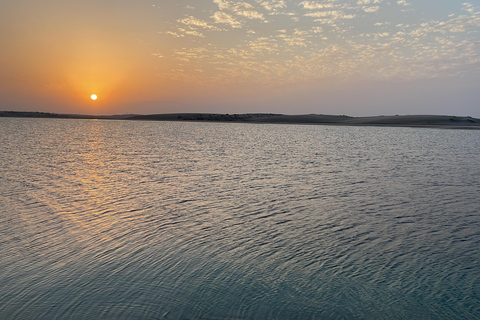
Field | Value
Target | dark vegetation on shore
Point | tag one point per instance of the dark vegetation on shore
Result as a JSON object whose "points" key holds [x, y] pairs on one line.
{"points": [[440, 121]]}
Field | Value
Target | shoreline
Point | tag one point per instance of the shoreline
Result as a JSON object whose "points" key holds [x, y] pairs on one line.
{"points": [[415, 121]]}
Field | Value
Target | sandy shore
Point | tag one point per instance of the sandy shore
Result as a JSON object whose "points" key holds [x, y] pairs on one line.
{"points": [[434, 121]]}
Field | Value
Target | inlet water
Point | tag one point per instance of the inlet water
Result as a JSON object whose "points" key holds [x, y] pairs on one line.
{"points": [[172, 220]]}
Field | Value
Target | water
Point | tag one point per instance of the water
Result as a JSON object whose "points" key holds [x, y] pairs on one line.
{"points": [[171, 220]]}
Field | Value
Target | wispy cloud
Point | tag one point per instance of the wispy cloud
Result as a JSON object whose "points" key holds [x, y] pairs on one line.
{"points": [[243, 9], [403, 3], [311, 5], [193, 22], [225, 18], [273, 5], [371, 9], [318, 39]]}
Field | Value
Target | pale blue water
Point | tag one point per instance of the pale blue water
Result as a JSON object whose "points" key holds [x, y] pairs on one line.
{"points": [[159, 220]]}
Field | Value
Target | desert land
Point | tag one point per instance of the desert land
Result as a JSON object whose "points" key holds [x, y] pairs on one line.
{"points": [[432, 121]]}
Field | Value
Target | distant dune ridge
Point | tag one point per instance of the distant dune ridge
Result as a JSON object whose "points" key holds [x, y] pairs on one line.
{"points": [[437, 121]]}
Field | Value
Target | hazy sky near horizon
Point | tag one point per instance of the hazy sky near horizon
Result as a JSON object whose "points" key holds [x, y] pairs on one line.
{"points": [[363, 57]]}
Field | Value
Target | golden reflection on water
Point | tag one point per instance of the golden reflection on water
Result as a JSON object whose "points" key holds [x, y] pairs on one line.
{"points": [[93, 185], [171, 220]]}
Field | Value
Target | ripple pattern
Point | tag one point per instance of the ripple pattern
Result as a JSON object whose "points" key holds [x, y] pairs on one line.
{"points": [[172, 220]]}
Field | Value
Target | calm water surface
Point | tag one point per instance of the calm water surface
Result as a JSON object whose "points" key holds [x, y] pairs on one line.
{"points": [[159, 220]]}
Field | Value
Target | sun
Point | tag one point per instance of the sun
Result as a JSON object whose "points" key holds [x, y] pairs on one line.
{"points": [[93, 97]]}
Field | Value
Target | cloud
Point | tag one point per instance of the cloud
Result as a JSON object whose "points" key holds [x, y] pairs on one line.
{"points": [[262, 44], [371, 9], [224, 5], [364, 2], [243, 9], [295, 41], [195, 33], [468, 7], [250, 13], [298, 38], [294, 50], [193, 22], [327, 12], [174, 34], [311, 5], [273, 5], [403, 3], [225, 18], [334, 14]]}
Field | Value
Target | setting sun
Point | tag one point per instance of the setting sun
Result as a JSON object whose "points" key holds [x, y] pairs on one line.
{"points": [[93, 97]]}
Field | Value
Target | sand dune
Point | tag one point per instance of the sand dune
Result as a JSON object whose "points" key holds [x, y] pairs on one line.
{"points": [[437, 121]]}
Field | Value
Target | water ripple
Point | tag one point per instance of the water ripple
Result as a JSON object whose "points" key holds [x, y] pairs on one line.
{"points": [[152, 220]]}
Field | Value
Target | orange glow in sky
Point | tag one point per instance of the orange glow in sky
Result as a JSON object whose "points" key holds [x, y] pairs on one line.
{"points": [[232, 56]]}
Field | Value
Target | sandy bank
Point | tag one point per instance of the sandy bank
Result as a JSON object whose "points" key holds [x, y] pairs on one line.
{"points": [[434, 121]]}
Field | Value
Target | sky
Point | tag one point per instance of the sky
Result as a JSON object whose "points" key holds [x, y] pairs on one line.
{"points": [[352, 57]]}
